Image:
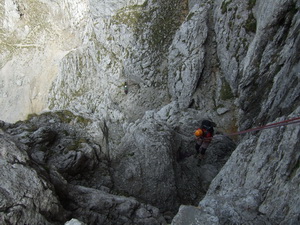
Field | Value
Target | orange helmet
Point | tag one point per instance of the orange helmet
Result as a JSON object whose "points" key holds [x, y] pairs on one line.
{"points": [[198, 133]]}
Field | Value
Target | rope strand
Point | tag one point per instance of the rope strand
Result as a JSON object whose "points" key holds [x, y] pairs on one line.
{"points": [[272, 125], [269, 126]]}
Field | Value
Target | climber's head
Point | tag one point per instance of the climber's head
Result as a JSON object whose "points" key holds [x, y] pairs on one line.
{"points": [[198, 133]]}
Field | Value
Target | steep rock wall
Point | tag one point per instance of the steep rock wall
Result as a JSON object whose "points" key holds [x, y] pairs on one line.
{"points": [[35, 36], [235, 62], [127, 45], [260, 182]]}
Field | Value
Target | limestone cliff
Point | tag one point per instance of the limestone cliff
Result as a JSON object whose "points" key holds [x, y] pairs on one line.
{"points": [[144, 73]]}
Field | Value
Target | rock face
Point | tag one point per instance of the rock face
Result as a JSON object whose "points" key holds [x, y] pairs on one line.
{"points": [[43, 33], [138, 77], [50, 175], [248, 198], [260, 182], [88, 184], [26, 196], [157, 154]]}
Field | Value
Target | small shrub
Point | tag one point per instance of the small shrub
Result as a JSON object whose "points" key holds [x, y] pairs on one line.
{"points": [[224, 6], [226, 92], [250, 25]]}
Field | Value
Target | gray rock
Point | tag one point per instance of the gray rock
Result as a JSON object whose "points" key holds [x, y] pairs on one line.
{"points": [[155, 160], [26, 197], [255, 179], [182, 61], [186, 56], [94, 206], [59, 176], [221, 111], [74, 222], [144, 166], [191, 215]]}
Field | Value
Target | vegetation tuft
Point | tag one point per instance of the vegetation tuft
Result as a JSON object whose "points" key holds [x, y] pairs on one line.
{"points": [[226, 92]]}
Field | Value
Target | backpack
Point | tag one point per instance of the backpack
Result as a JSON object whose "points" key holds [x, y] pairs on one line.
{"points": [[208, 126]]}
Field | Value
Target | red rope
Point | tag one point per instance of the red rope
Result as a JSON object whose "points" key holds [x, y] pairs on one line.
{"points": [[269, 126]]}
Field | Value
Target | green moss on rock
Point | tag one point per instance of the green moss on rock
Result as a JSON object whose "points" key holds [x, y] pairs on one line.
{"points": [[251, 4], [224, 6], [250, 25], [161, 20], [226, 92]]}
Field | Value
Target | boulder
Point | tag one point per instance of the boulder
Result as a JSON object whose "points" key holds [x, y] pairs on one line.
{"points": [[144, 165], [50, 189], [155, 160], [26, 196]]}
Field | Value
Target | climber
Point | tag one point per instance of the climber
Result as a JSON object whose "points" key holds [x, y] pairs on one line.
{"points": [[125, 88], [203, 137]]}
